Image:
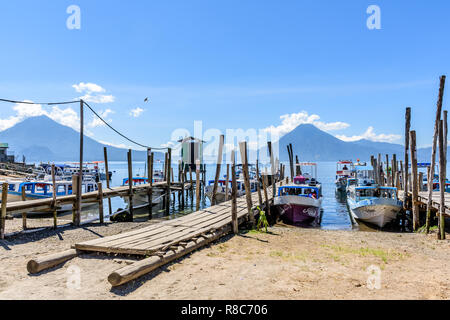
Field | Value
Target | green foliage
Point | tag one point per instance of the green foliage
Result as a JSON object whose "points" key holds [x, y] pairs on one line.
{"points": [[262, 221]]}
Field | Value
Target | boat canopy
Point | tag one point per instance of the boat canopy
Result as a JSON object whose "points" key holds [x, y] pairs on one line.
{"points": [[298, 191]]}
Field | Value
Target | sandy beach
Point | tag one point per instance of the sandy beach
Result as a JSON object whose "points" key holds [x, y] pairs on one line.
{"points": [[286, 263]]}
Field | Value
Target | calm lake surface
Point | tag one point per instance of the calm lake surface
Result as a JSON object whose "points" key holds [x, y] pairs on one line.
{"points": [[335, 213]]}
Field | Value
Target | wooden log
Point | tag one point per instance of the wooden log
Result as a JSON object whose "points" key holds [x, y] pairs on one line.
{"points": [[24, 214], [197, 184], [150, 156], [442, 172], [234, 222], [227, 182], [147, 265], [100, 201], [415, 191], [105, 155], [5, 187], [54, 205], [406, 165], [248, 191], [37, 265], [433, 151], [219, 164], [130, 183]]}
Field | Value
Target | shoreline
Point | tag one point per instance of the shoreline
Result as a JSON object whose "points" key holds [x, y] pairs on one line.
{"points": [[287, 263]]}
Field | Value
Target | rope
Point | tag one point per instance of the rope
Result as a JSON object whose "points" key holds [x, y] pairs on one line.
{"points": [[46, 103]]}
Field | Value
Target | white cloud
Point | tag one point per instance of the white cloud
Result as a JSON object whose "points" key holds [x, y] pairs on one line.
{"points": [[372, 136], [88, 87], [120, 145], [92, 93], [67, 117], [136, 112], [290, 121], [96, 122]]}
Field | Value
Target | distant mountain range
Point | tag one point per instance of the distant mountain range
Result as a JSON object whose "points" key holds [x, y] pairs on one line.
{"points": [[42, 139], [313, 144]]}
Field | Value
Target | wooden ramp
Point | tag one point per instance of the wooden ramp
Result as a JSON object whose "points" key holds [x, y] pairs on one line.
{"points": [[158, 238]]}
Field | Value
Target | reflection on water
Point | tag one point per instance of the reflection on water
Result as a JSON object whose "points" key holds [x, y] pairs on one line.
{"points": [[335, 213]]}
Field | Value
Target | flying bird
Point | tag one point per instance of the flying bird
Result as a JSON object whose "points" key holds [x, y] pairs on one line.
{"points": [[146, 99]]}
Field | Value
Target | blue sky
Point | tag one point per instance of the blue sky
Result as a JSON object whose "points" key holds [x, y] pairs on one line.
{"points": [[231, 64]]}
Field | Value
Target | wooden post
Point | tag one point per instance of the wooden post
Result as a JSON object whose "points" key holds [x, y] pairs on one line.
{"points": [[197, 185], [100, 201], [150, 156], [182, 174], [266, 197], [5, 187], [75, 191], [258, 184], [388, 174], [442, 172], [406, 165], [105, 153], [227, 182], [80, 180], [130, 183], [394, 170], [420, 181], [219, 164], [433, 151], [272, 166], [291, 159], [415, 192], [248, 191], [24, 214], [402, 174], [169, 169], [54, 204], [234, 221]]}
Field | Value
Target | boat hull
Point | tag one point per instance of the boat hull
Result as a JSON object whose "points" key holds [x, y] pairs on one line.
{"points": [[378, 212], [299, 211], [142, 199]]}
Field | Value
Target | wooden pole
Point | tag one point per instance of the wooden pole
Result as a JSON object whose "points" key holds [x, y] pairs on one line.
{"points": [[442, 173], [420, 181], [169, 169], [234, 221], [415, 191], [80, 180], [100, 201], [272, 165], [219, 164], [227, 182], [266, 197], [248, 191], [258, 186], [54, 205], [5, 187], [130, 183], [150, 156], [75, 191], [388, 174], [394, 170], [433, 151], [406, 165], [197, 185], [183, 176], [291, 160], [105, 154], [24, 214]]}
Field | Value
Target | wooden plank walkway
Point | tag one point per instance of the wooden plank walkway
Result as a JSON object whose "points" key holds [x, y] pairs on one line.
{"points": [[158, 238], [43, 204], [436, 199]]}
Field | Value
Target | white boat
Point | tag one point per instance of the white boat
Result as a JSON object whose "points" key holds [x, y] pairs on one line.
{"points": [[373, 204], [142, 198], [344, 171], [221, 188]]}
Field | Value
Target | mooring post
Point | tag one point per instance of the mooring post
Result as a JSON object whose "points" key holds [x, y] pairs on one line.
{"points": [[130, 183], [75, 191], [234, 221], [272, 166], [227, 182], [248, 191], [182, 176], [5, 187], [415, 192], [394, 170], [433, 150], [197, 185], [80, 180], [258, 186], [105, 154], [266, 196], [291, 160], [219, 164], [442, 172], [420, 181], [100, 201], [24, 214], [54, 204], [150, 156], [169, 169], [406, 166]]}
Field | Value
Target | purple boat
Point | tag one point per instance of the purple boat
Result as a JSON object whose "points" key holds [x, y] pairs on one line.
{"points": [[300, 203]]}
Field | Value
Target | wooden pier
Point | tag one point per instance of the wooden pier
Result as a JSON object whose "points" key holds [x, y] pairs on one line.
{"points": [[435, 202]]}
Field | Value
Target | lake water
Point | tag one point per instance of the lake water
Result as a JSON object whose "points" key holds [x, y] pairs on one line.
{"points": [[335, 213]]}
